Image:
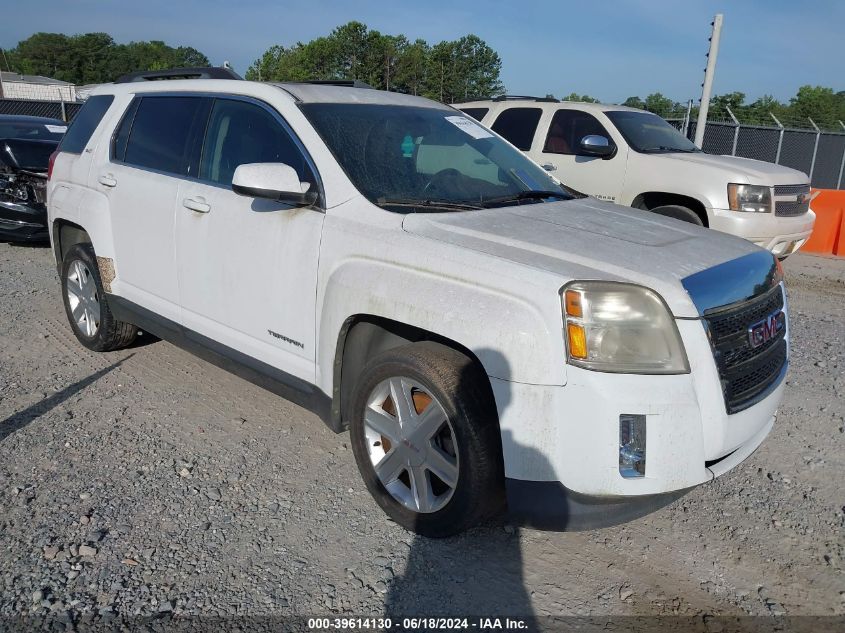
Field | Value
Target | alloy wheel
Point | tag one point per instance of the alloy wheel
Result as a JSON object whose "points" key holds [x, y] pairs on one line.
{"points": [[411, 444], [83, 298]]}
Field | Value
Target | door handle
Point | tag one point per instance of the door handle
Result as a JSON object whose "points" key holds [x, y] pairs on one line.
{"points": [[107, 180], [549, 167], [196, 204]]}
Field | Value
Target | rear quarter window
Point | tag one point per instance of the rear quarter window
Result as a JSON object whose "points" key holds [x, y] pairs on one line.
{"points": [[84, 123], [518, 125], [166, 134], [476, 113]]}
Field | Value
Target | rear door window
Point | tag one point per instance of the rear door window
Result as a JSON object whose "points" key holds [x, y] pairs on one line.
{"points": [[567, 129], [166, 134], [84, 123], [518, 125]]}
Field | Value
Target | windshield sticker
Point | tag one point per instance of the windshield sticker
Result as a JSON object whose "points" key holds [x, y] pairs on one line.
{"points": [[56, 129], [470, 127], [407, 146]]}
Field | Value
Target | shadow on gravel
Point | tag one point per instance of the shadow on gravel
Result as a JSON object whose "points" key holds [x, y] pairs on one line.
{"points": [[478, 573], [142, 340], [21, 419]]}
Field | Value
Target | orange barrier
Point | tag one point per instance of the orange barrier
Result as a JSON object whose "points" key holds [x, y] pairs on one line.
{"points": [[828, 236]]}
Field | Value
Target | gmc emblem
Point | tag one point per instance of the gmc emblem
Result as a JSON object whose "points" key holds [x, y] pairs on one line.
{"points": [[766, 329]]}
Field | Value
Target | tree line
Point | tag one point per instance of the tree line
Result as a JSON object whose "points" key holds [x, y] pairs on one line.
{"points": [[824, 106], [92, 58], [447, 71]]}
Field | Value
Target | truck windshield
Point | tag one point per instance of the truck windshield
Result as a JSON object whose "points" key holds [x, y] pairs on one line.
{"points": [[407, 158], [649, 134]]}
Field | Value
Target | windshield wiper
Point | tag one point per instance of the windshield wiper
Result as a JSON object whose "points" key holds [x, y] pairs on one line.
{"points": [[427, 204], [528, 195]]}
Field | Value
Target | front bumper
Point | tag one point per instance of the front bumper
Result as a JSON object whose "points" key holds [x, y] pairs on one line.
{"points": [[23, 223], [779, 234], [569, 435]]}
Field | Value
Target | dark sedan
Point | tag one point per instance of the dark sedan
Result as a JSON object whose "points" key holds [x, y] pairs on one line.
{"points": [[26, 143]]}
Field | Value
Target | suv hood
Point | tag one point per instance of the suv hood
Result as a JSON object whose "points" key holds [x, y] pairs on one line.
{"points": [[757, 172], [588, 239]]}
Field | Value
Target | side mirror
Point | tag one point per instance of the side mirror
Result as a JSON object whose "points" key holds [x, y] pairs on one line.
{"points": [[596, 145], [273, 181]]}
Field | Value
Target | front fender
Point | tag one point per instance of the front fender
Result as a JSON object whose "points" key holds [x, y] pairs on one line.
{"points": [[508, 334]]}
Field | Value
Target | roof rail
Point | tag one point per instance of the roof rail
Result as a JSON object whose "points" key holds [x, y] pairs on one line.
{"points": [[525, 98], [346, 83], [179, 73]]}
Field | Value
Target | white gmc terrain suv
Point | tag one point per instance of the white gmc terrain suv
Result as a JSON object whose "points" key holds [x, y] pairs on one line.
{"points": [[491, 340], [637, 159]]}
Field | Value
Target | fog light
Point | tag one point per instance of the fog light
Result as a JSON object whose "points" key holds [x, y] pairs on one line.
{"points": [[631, 445]]}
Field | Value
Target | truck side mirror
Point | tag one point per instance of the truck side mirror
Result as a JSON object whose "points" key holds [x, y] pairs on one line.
{"points": [[596, 145]]}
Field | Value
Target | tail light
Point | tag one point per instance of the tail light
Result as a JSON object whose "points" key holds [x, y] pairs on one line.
{"points": [[50, 164]]}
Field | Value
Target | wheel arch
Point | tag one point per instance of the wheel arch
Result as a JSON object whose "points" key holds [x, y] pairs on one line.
{"points": [[364, 336], [66, 234], [652, 199]]}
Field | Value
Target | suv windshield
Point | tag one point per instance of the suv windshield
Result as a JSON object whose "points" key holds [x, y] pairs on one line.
{"points": [[649, 134], [405, 158]]}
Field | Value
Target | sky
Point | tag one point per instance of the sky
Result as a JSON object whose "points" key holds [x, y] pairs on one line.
{"points": [[610, 49]]}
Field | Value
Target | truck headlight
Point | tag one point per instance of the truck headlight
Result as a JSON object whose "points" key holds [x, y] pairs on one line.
{"points": [[621, 328], [751, 198]]}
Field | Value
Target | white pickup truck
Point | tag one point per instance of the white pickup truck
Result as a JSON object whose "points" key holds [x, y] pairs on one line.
{"points": [[489, 338], [637, 159]]}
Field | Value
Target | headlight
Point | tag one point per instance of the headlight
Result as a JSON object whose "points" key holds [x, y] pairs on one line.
{"points": [[622, 328], [751, 198]]}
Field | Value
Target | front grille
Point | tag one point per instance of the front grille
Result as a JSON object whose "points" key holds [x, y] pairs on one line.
{"points": [[791, 190], [798, 205], [747, 374], [790, 208]]}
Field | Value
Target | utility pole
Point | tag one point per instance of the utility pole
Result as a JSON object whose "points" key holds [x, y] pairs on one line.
{"points": [[707, 86]]}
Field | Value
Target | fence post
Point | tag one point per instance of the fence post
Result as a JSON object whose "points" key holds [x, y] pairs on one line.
{"points": [[780, 138], [687, 118], [841, 164], [707, 86], [64, 112], [736, 130], [815, 147]]}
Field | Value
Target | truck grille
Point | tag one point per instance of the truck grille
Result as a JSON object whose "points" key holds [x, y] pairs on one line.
{"points": [[799, 201], [786, 209], [747, 373], [791, 190]]}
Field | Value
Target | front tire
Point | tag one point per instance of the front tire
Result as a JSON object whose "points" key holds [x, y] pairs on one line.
{"points": [[86, 305], [426, 439]]}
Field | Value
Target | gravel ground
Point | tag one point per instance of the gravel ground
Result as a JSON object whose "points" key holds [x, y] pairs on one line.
{"points": [[146, 484]]}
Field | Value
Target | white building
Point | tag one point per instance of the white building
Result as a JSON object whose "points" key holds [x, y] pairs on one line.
{"points": [[35, 87]]}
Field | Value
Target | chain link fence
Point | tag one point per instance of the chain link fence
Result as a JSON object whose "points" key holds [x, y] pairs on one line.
{"points": [[52, 109], [795, 143]]}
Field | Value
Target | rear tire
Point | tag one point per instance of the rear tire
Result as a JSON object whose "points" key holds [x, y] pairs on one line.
{"points": [[86, 305], [438, 383], [685, 214]]}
